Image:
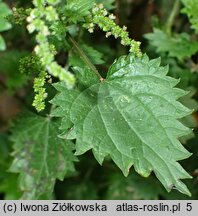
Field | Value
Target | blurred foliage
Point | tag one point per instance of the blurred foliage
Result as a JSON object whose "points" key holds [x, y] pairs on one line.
{"points": [[8, 181], [10, 63], [147, 21], [190, 8], [179, 46]]}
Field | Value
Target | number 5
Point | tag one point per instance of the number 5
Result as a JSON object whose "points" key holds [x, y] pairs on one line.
{"points": [[189, 206]]}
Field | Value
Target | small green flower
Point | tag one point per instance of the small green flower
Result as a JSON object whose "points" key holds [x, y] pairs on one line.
{"points": [[43, 19], [105, 21], [42, 16], [40, 92]]}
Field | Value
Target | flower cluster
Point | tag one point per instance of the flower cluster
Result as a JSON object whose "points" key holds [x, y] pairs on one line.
{"points": [[106, 22], [40, 92], [18, 15], [31, 64], [41, 16]]}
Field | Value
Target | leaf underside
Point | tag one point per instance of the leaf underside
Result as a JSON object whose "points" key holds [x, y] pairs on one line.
{"points": [[40, 156], [132, 116]]}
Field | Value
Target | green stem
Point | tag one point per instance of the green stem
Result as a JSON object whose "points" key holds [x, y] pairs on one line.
{"points": [[172, 16], [85, 58]]}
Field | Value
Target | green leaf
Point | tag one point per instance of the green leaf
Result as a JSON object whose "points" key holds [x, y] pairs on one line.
{"points": [[40, 156], [85, 78], [94, 55], [189, 120], [179, 46], [75, 10], [132, 117], [191, 8]]}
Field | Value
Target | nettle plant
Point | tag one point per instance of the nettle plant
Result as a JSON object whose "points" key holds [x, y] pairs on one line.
{"points": [[130, 115]]}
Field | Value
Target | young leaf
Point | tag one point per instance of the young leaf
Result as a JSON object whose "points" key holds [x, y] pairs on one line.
{"points": [[40, 156], [131, 116], [75, 10]]}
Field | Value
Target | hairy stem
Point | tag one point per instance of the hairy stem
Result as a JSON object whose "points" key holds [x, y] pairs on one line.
{"points": [[84, 57], [172, 16]]}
